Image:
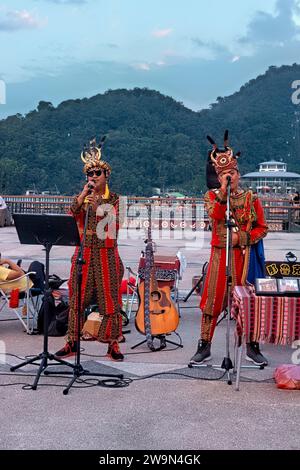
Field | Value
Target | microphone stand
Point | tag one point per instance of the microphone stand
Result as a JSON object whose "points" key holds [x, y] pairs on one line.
{"points": [[227, 363]]}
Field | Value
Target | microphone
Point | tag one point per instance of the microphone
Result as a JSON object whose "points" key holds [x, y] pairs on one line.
{"points": [[228, 179], [91, 187]]}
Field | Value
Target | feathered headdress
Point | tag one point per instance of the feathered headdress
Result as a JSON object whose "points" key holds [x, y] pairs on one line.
{"points": [[223, 159], [91, 156]]}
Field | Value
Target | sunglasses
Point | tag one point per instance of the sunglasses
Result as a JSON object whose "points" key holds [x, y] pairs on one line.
{"points": [[94, 172]]}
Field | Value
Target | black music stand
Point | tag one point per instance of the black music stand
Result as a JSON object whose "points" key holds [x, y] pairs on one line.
{"points": [[46, 230]]}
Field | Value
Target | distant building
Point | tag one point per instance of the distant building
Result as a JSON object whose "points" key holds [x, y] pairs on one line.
{"points": [[175, 194], [272, 177]]}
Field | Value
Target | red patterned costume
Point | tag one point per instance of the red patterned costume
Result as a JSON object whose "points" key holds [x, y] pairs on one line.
{"points": [[102, 272], [251, 227], [248, 227]]}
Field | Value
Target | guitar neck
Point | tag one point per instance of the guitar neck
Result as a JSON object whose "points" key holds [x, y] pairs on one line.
{"points": [[149, 234]]}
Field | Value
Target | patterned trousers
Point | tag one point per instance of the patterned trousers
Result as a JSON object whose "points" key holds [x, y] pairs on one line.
{"points": [[101, 278]]}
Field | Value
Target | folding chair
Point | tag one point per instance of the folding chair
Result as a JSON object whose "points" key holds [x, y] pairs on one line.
{"points": [[27, 304]]}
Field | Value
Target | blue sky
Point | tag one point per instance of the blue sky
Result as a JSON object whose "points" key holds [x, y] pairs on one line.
{"points": [[192, 50]]}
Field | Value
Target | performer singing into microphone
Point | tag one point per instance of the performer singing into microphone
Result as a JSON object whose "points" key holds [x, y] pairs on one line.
{"points": [[249, 226], [103, 270]]}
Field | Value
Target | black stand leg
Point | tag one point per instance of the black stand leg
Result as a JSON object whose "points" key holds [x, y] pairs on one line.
{"points": [[173, 342], [45, 356], [78, 370], [139, 344], [163, 342], [193, 289]]}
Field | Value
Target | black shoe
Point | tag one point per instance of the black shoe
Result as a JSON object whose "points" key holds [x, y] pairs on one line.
{"points": [[70, 349], [163, 342], [202, 353], [114, 352], [254, 355]]}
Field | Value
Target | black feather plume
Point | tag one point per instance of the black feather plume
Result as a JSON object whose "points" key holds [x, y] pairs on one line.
{"points": [[210, 140]]}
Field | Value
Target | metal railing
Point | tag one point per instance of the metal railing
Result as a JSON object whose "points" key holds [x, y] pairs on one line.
{"points": [[167, 213], [29, 204]]}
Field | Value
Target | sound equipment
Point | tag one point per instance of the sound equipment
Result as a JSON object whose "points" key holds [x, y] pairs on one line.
{"points": [[166, 268]]}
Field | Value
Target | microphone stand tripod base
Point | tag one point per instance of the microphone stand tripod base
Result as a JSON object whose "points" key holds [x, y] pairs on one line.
{"points": [[77, 372], [226, 364], [44, 357]]}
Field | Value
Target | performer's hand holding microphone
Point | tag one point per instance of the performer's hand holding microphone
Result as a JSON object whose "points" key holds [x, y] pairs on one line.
{"points": [[88, 191], [225, 181]]}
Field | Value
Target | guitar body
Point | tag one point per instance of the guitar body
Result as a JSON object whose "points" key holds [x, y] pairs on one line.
{"points": [[164, 317]]}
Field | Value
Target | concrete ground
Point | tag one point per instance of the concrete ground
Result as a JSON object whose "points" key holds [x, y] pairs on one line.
{"points": [[189, 409]]}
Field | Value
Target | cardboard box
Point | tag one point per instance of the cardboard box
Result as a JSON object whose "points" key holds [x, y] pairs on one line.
{"points": [[92, 324]]}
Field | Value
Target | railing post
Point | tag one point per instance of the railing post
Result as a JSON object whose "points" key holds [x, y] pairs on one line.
{"points": [[290, 219], [194, 216]]}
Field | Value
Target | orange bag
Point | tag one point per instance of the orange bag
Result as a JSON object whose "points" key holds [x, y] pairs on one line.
{"points": [[287, 376]]}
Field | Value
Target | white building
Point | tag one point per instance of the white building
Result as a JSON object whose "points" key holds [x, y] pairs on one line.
{"points": [[272, 177]]}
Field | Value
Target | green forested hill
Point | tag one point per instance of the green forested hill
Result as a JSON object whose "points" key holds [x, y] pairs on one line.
{"points": [[152, 139]]}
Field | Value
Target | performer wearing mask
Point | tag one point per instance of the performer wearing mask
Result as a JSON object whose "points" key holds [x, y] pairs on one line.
{"points": [[249, 227], [103, 270]]}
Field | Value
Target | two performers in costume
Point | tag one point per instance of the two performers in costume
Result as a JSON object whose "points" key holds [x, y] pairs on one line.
{"points": [[103, 270]]}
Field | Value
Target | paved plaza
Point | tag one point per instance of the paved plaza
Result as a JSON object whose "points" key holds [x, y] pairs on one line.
{"points": [[183, 409]]}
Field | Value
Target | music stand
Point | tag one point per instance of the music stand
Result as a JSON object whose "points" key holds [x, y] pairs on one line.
{"points": [[46, 230]]}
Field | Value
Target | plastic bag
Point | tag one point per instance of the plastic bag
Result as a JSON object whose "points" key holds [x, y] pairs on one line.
{"points": [[287, 376]]}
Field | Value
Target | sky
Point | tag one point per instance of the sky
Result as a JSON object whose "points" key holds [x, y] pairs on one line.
{"points": [[192, 50]]}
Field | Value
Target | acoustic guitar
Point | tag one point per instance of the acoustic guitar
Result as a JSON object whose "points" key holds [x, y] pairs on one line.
{"points": [[157, 314]]}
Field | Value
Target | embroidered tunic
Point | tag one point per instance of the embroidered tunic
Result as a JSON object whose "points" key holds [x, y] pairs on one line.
{"points": [[248, 215]]}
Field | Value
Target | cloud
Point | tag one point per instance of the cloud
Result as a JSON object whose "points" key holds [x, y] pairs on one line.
{"points": [[147, 66], [266, 29], [66, 2], [272, 38], [162, 33], [211, 45], [142, 66], [112, 46], [14, 20]]}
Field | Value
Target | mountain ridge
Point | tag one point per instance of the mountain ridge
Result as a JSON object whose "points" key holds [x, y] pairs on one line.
{"points": [[153, 140]]}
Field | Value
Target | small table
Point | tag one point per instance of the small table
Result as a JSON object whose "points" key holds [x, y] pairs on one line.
{"points": [[270, 319]]}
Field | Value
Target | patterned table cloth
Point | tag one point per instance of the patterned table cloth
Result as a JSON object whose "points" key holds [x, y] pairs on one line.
{"points": [[265, 318]]}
